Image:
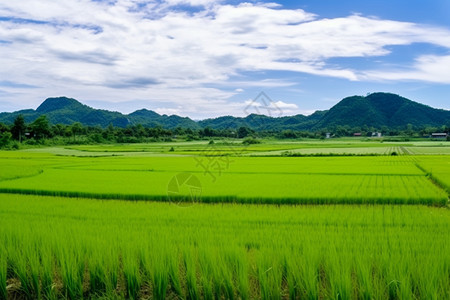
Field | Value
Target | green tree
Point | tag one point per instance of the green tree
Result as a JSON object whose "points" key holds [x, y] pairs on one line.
{"points": [[208, 131], [19, 128], [244, 132], [409, 129], [5, 138], [76, 129], [41, 127]]}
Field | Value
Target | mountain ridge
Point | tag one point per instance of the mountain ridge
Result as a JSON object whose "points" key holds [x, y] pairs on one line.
{"points": [[374, 110]]}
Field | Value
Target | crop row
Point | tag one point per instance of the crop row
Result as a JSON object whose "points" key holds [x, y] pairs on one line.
{"points": [[262, 190], [343, 180], [73, 248]]}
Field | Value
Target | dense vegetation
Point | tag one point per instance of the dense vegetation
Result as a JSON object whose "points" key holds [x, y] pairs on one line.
{"points": [[57, 243], [42, 132], [382, 111], [54, 247], [378, 112], [232, 178]]}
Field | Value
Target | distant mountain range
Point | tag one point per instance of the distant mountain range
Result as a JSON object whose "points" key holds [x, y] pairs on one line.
{"points": [[375, 110]]}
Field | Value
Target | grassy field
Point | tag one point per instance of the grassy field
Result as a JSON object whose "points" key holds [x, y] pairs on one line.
{"points": [[65, 231], [271, 147], [276, 180], [56, 247]]}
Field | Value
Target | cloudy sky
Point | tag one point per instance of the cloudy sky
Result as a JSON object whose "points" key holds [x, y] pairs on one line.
{"points": [[206, 58]]}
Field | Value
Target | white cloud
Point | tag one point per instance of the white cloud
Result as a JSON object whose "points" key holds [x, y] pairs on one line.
{"points": [[194, 2], [430, 68], [284, 105], [265, 106], [169, 111], [131, 49]]}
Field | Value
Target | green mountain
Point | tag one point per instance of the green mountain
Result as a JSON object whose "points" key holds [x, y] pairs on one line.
{"points": [[152, 119], [375, 110], [262, 122], [382, 109], [63, 110]]}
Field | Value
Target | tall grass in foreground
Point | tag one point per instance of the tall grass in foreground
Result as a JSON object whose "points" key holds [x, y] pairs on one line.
{"points": [[131, 271], [62, 248], [103, 265], [3, 272], [189, 260], [72, 266]]}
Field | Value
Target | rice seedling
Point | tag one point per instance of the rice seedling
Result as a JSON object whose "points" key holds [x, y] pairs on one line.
{"points": [[156, 266], [174, 274], [98, 272], [117, 249], [237, 259], [218, 272], [270, 276], [3, 271], [72, 266], [19, 265], [46, 271], [192, 292], [131, 270]]}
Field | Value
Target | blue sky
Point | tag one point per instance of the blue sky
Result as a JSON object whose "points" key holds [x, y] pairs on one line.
{"points": [[207, 58]]}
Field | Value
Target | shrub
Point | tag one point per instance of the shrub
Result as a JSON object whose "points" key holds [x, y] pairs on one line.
{"points": [[251, 141]]}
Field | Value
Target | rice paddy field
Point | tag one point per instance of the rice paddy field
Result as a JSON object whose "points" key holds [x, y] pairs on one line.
{"points": [[226, 221]]}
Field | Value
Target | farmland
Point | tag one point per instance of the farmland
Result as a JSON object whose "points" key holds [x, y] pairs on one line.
{"points": [[343, 220], [127, 249], [232, 172]]}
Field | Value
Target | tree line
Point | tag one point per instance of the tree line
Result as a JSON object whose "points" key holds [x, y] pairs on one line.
{"points": [[41, 131]]}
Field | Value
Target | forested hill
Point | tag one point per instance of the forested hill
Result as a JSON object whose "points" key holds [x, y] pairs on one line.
{"points": [[382, 109], [375, 110], [63, 110]]}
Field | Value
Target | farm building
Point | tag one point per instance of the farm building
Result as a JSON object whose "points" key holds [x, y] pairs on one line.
{"points": [[357, 134], [439, 135], [376, 134]]}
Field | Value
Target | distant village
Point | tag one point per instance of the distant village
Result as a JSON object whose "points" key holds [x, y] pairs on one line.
{"points": [[434, 135]]}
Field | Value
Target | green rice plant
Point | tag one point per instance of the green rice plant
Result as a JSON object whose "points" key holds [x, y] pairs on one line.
{"points": [[160, 279], [174, 273], [192, 292], [26, 264], [218, 270], [131, 270], [269, 276], [46, 271], [339, 267], [364, 278], [103, 274], [308, 276], [103, 267], [111, 261], [155, 263], [238, 259], [3, 271], [222, 251], [228, 271], [292, 264], [207, 281], [34, 265], [72, 265], [97, 274], [19, 265], [257, 180]]}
